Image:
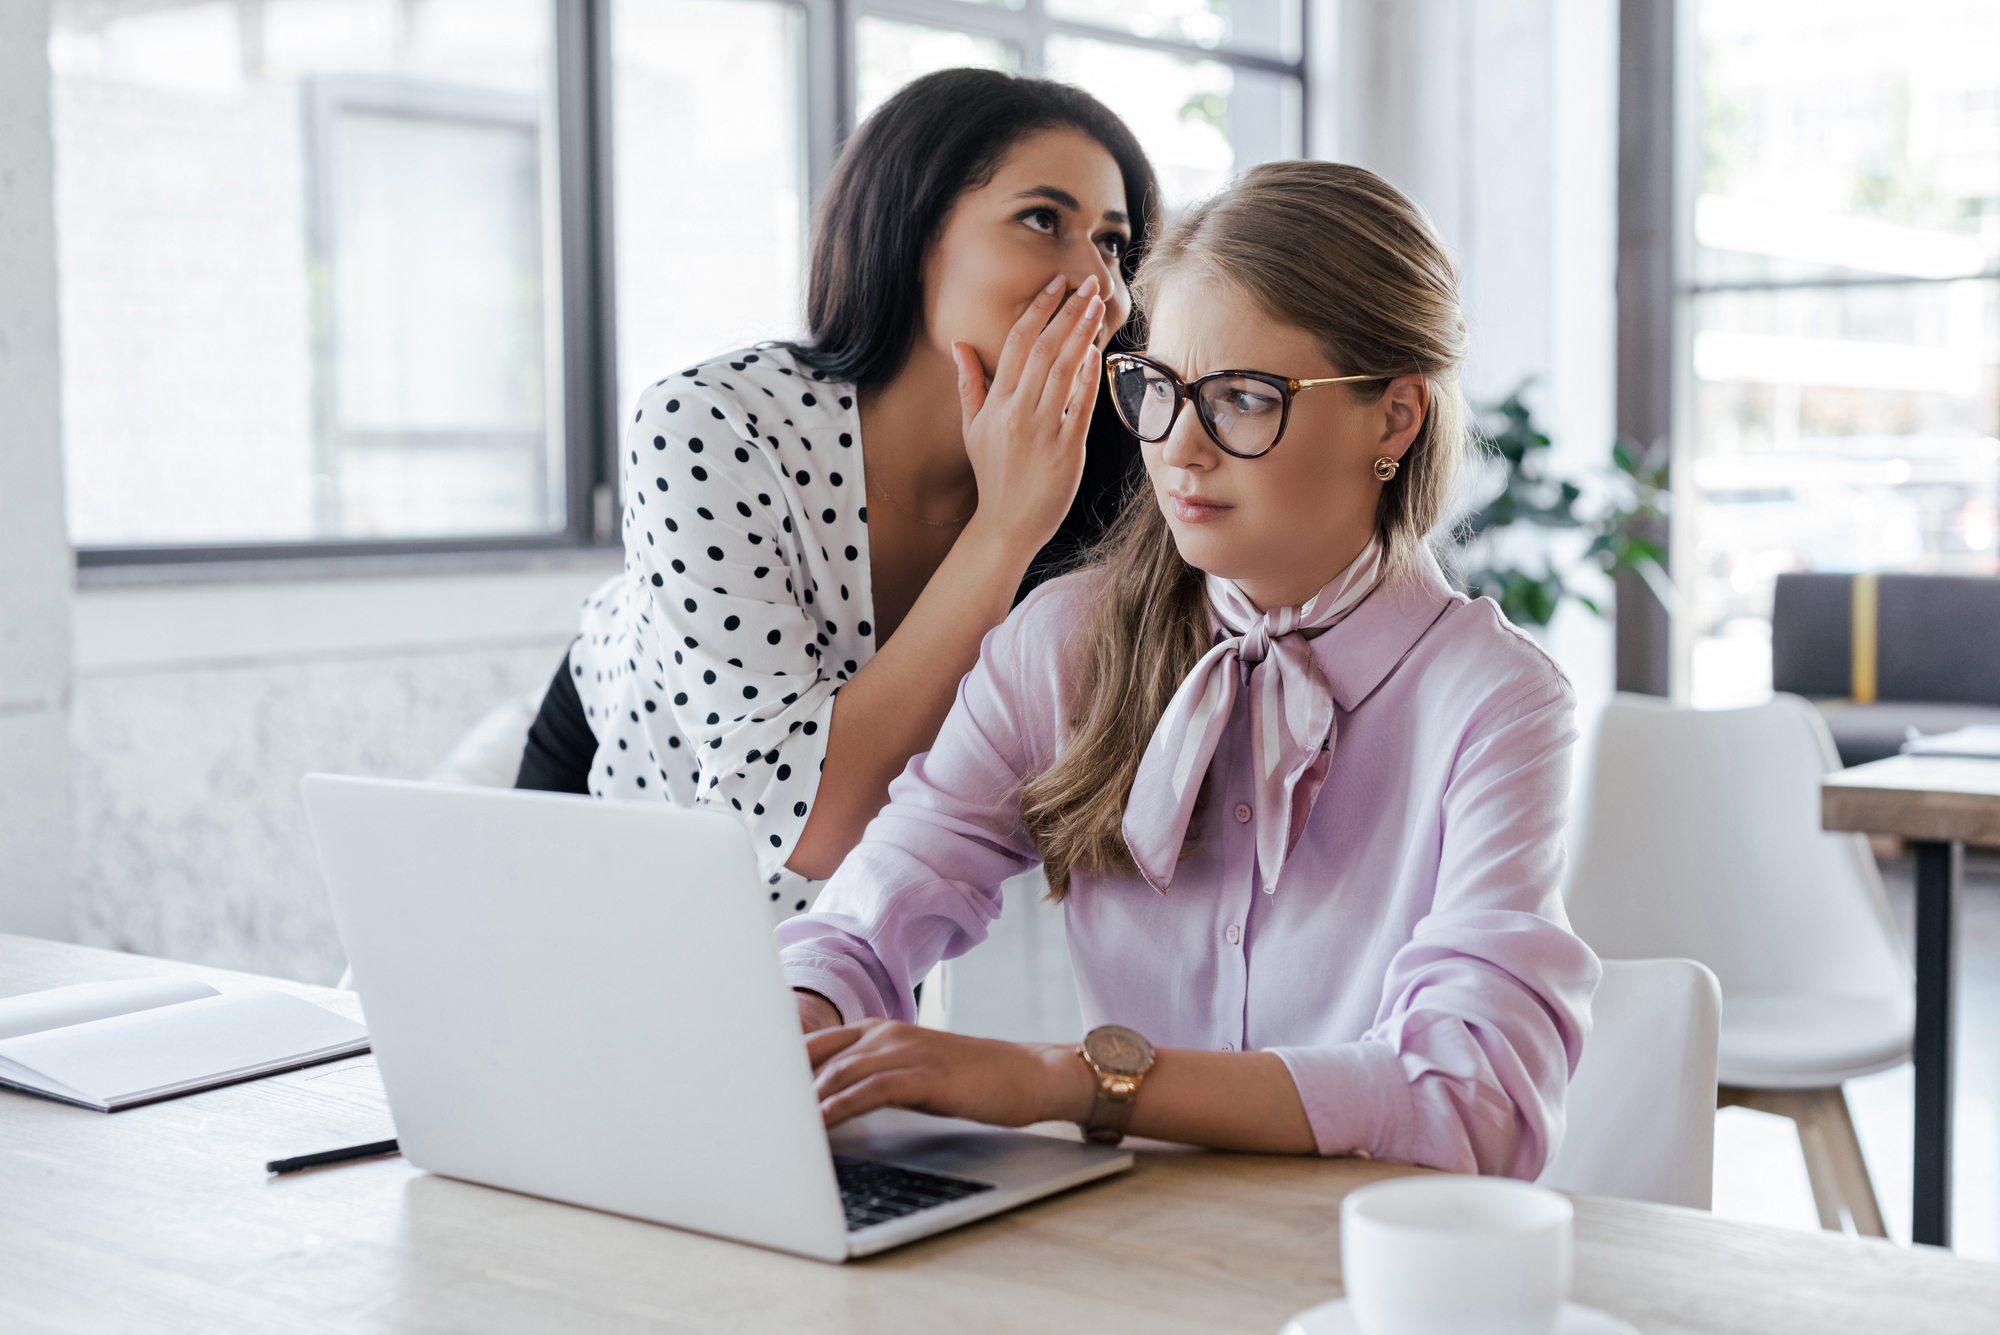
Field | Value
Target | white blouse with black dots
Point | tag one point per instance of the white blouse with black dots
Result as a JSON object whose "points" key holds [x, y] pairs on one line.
{"points": [[708, 668]]}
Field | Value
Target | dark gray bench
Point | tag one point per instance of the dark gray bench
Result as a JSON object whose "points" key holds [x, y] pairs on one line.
{"points": [[1937, 656]]}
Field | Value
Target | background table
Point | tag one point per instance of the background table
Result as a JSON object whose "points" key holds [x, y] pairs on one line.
{"points": [[1940, 804], [162, 1219]]}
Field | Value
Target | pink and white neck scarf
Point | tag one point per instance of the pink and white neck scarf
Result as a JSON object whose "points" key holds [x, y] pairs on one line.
{"points": [[1291, 731]]}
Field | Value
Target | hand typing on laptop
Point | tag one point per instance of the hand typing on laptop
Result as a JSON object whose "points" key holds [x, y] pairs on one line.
{"points": [[887, 1064], [1228, 1100]]}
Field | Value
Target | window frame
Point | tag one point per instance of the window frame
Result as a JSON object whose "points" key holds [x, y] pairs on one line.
{"points": [[581, 73]]}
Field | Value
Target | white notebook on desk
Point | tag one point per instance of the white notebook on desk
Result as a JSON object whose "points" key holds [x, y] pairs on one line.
{"points": [[110, 1045], [1977, 741]]}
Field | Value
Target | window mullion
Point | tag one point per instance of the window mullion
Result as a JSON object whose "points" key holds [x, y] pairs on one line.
{"points": [[1307, 94], [1035, 45], [829, 90], [589, 347]]}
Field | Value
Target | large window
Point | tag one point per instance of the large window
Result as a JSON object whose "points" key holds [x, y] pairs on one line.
{"points": [[368, 276], [1841, 309], [305, 253]]}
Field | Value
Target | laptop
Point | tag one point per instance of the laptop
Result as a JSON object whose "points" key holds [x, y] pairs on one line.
{"points": [[581, 1000]]}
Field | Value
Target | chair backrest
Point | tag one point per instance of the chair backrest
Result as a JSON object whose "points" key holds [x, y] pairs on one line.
{"points": [[1701, 839], [1812, 638], [489, 754], [1641, 1108], [1937, 637]]}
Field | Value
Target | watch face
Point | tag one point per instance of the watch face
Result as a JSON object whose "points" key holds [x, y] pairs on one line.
{"points": [[1118, 1050]]}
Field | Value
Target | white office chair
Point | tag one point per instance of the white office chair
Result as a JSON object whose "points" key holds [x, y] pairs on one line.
{"points": [[1641, 1109], [1701, 838], [489, 754]]}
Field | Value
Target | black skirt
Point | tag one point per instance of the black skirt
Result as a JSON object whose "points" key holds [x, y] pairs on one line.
{"points": [[560, 742]]}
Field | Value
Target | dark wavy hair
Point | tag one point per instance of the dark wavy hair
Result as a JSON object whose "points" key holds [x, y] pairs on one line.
{"points": [[897, 179]]}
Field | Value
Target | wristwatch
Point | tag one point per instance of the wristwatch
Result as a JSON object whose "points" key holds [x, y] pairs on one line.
{"points": [[1119, 1058]]}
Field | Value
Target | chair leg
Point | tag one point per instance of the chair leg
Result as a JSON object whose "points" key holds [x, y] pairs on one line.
{"points": [[1843, 1149], [1819, 1168], [1834, 1165]]}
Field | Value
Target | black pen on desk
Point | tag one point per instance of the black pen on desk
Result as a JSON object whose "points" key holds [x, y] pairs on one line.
{"points": [[325, 1157]]}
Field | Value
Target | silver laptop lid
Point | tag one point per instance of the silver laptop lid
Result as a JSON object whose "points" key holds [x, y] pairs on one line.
{"points": [[580, 999]]}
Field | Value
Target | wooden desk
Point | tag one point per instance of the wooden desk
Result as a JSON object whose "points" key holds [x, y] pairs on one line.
{"points": [[161, 1219], [1938, 803]]}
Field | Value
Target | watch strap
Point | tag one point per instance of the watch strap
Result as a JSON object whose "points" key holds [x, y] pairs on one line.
{"points": [[1108, 1117], [1116, 1092]]}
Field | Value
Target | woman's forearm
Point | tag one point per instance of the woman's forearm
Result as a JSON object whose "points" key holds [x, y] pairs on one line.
{"points": [[893, 707], [1223, 1100]]}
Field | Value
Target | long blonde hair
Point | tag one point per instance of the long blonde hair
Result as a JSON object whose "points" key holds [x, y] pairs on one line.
{"points": [[1342, 254]]}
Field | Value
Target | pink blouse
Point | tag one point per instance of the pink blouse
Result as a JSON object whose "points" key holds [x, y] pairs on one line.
{"points": [[1413, 967]]}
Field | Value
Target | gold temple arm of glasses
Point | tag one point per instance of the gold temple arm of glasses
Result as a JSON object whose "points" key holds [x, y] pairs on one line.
{"points": [[1298, 385]]}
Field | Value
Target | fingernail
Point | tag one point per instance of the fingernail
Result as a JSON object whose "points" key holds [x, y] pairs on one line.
{"points": [[1094, 309], [1055, 285]]}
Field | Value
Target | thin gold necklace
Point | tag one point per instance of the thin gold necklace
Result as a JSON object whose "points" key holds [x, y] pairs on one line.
{"points": [[931, 523]]}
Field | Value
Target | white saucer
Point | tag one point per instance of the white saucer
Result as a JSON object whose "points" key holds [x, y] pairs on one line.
{"points": [[1334, 1319]]}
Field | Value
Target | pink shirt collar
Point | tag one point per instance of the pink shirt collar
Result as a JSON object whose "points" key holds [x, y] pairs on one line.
{"points": [[1358, 653]]}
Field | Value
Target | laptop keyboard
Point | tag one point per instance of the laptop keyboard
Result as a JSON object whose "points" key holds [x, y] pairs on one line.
{"points": [[875, 1193]]}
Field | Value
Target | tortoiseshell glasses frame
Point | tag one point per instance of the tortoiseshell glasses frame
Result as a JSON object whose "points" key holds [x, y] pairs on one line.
{"points": [[1208, 407]]}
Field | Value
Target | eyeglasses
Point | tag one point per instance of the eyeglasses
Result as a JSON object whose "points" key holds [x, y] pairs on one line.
{"points": [[1244, 412]]}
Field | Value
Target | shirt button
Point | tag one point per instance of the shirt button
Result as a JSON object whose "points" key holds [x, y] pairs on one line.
{"points": [[1242, 813], [1229, 1047], [1234, 933]]}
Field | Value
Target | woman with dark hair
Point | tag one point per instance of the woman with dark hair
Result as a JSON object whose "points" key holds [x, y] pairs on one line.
{"points": [[819, 535]]}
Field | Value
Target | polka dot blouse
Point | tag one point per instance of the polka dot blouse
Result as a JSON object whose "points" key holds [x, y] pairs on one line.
{"points": [[708, 668]]}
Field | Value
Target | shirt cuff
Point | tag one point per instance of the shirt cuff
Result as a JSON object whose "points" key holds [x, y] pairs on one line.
{"points": [[854, 1004], [1356, 1096]]}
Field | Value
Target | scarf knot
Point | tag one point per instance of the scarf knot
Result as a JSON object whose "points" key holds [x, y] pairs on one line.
{"points": [[1291, 730]]}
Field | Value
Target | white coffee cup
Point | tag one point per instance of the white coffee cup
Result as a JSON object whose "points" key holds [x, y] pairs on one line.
{"points": [[1453, 1255]]}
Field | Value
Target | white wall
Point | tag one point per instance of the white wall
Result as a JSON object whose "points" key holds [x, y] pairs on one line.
{"points": [[34, 552], [199, 706], [1500, 117]]}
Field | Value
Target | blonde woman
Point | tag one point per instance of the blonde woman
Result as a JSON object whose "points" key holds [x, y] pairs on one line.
{"points": [[1303, 803]]}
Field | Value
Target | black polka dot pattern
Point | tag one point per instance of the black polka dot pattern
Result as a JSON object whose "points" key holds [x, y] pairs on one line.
{"points": [[709, 645]]}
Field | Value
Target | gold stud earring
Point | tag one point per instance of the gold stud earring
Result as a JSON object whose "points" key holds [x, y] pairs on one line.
{"points": [[1385, 468]]}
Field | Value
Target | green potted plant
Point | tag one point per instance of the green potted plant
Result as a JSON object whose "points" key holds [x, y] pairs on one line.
{"points": [[1631, 500]]}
